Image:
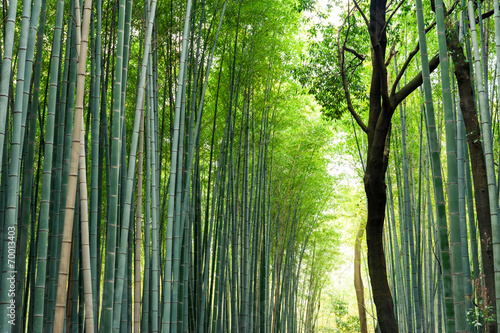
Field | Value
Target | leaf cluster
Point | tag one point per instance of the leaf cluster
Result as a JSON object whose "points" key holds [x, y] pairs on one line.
{"points": [[320, 71]]}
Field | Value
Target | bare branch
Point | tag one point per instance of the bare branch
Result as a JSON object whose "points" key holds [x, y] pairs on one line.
{"points": [[389, 5], [392, 14], [411, 55], [361, 57], [413, 84], [362, 14], [350, 107], [392, 53], [485, 15], [415, 51], [403, 69]]}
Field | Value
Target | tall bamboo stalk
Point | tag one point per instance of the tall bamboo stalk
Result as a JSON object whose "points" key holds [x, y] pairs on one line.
{"points": [[105, 323], [70, 201], [451, 154], [85, 238], [5, 83], [43, 224], [120, 274], [9, 235], [434, 151], [488, 154]]}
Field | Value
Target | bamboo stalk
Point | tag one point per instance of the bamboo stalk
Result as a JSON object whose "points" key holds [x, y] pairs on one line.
{"points": [[70, 202]]}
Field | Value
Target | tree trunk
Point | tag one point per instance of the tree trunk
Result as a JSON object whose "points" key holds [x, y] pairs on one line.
{"points": [[383, 103], [376, 166], [478, 164], [358, 283], [375, 187]]}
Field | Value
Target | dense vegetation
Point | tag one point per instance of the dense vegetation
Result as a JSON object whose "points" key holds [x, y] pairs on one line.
{"points": [[420, 79], [161, 168], [196, 166]]}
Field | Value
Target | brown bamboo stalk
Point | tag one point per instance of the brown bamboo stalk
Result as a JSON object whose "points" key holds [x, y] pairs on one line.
{"points": [[138, 233], [73, 177], [358, 281]]}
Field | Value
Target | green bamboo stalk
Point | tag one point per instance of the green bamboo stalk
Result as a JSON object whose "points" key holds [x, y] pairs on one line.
{"points": [[168, 298], [43, 224], [155, 216], [451, 158], [420, 228], [488, 154], [28, 71], [138, 231], [71, 311], [5, 82], [95, 157], [408, 233], [177, 227], [484, 54], [463, 216], [9, 235], [433, 144], [397, 280], [147, 237], [85, 239], [431, 276], [26, 215], [28, 180], [105, 323], [123, 128], [121, 259], [126, 322], [405, 275]]}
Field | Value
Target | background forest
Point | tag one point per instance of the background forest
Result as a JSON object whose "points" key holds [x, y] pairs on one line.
{"points": [[270, 166], [161, 168]]}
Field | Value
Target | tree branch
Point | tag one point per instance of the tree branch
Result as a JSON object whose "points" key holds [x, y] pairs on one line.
{"points": [[392, 53], [414, 83], [415, 51], [392, 14], [350, 107], [403, 69], [389, 5], [362, 14], [408, 60], [485, 15], [361, 57], [398, 97]]}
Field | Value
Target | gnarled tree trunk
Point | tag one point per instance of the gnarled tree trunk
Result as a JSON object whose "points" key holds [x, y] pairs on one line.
{"points": [[383, 103]]}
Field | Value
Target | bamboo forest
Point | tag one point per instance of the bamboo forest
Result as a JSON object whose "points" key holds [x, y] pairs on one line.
{"points": [[249, 166]]}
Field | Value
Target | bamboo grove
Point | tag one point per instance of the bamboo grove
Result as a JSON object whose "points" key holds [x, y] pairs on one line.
{"points": [[153, 175], [421, 80]]}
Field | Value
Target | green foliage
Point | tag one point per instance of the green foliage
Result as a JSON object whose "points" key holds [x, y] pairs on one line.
{"points": [[305, 5], [478, 318], [343, 320], [320, 68], [483, 313]]}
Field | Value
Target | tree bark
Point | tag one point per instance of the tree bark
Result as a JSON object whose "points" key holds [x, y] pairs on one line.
{"points": [[383, 102], [375, 188], [478, 163], [376, 166]]}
